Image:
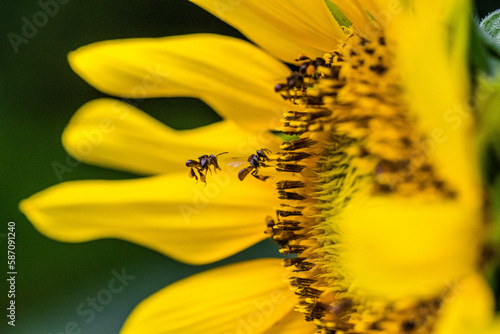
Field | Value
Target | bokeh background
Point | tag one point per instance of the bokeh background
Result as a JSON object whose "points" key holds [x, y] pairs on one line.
{"points": [[38, 95]]}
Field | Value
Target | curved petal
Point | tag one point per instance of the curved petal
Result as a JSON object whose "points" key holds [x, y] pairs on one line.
{"points": [[114, 134], [398, 247], [247, 297], [293, 323], [286, 28], [234, 77], [169, 214]]}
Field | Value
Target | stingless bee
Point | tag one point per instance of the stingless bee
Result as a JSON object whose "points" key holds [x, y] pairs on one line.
{"points": [[256, 161], [202, 166]]}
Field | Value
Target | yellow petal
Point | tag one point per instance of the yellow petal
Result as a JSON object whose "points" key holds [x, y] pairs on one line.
{"points": [[114, 134], [370, 16], [248, 297], [375, 6], [467, 308], [170, 214], [434, 63], [356, 14], [286, 28], [397, 247], [293, 323], [494, 327], [234, 77]]}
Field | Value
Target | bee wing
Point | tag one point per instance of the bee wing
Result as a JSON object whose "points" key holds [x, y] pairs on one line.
{"points": [[236, 162]]}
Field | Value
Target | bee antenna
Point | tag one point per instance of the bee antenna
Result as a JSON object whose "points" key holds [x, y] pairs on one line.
{"points": [[221, 153]]}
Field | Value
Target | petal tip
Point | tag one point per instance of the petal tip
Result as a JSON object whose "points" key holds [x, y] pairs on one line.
{"points": [[74, 60], [25, 206]]}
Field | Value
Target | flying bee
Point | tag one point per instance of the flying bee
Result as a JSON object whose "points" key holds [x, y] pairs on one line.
{"points": [[256, 161], [202, 166]]}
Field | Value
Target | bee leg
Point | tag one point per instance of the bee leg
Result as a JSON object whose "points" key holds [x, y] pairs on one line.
{"points": [[255, 174], [193, 174], [267, 152], [203, 177], [216, 166]]}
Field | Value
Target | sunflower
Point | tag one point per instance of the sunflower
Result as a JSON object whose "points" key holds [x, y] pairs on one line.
{"points": [[374, 193]]}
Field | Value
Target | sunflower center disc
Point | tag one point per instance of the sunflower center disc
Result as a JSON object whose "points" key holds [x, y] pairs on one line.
{"points": [[356, 138]]}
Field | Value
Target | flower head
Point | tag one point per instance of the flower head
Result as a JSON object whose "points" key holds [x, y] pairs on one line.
{"points": [[375, 192]]}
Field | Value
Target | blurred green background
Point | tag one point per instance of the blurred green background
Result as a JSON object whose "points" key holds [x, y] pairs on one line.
{"points": [[38, 95]]}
